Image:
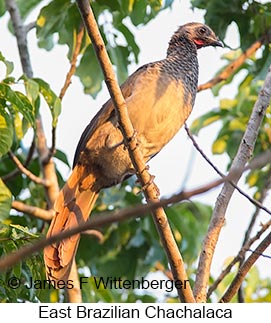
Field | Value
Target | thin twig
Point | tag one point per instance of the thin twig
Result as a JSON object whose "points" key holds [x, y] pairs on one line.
{"points": [[28, 159], [257, 162], [238, 257], [233, 66], [245, 150], [30, 26], [160, 267], [95, 233], [263, 195], [27, 172], [106, 219], [145, 179], [68, 81], [244, 269], [76, 52]]}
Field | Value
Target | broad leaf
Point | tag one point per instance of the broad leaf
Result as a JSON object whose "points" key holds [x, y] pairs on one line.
{"points": [[52, 100], [2, 8], [6, 132], [51, 20], [26, 7], [5, 201], [19, 102], [9, 65], [90, 73], [119, 56]]}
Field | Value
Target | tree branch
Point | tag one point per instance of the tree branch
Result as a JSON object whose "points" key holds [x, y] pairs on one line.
{"points": [[244, 153], [20, 34], [233, 66], [16, 171], [263, 195], [145, 179], [237, 258], [244, 269], [47, 165], [76, 52], [35, 211], [30, 26], [104, 218], [258, 162], [27, 172]]}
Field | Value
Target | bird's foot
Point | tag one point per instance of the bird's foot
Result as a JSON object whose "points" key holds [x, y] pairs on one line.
{"points": [[151, 182], [132, 138]]}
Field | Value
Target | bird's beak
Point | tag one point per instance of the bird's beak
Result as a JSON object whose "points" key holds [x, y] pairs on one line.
{"points": [[216, 42]]}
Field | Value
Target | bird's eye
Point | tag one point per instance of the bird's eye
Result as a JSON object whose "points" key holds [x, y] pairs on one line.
{"points": [[202, 30]]}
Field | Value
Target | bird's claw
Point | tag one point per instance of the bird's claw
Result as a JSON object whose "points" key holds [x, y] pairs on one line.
{"points": [[150, 182]]}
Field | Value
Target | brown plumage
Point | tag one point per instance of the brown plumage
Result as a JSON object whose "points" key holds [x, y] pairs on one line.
{"points": [[159, 98]]}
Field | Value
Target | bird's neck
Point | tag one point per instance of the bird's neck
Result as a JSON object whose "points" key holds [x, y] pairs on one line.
{"points": [[181, 64], [182, 57], [181, 46]]}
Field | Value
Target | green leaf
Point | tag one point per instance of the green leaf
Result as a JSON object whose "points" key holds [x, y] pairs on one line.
{"points": [[119, 56], [19, 101], [5, 201], [51, 20], [189, 224], [6, 132], [220, 145], [205, 120], [131, 43], [263, 64], [32, 90], [4, 230], [69, 30], [139, 11], [62, 156], [26, 7], [90, 73], [2, 8], [52, 100], [18, 126], [25, 107], [24, 230], [9, 65]]}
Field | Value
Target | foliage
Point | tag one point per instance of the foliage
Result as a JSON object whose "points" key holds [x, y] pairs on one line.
{"points": [[233, 113], [251, 17], [62, 18], [131, 249]]}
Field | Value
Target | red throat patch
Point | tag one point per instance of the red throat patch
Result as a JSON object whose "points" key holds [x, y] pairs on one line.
{"points": [[199, 42]]}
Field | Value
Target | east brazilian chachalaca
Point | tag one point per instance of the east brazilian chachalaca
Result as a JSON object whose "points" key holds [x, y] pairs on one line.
{"points": [[159, 97]]}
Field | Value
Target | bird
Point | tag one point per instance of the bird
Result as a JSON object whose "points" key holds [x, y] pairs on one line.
{"points": [[160, 96]]}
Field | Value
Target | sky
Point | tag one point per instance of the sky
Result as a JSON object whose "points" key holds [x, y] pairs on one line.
{"points": [[178, 158]]}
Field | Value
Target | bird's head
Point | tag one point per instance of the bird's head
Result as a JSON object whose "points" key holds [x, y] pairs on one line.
{"points": [[197, 33]]}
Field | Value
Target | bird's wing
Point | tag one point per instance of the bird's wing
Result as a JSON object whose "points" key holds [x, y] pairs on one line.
{"points": [[106, 113], [156, 105]]}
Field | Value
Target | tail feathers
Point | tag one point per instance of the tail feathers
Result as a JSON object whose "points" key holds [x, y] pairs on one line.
{"points": [[72, 207]]}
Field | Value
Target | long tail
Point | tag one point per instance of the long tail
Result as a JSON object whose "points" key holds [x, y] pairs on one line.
{"points": [[73, 206]]}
